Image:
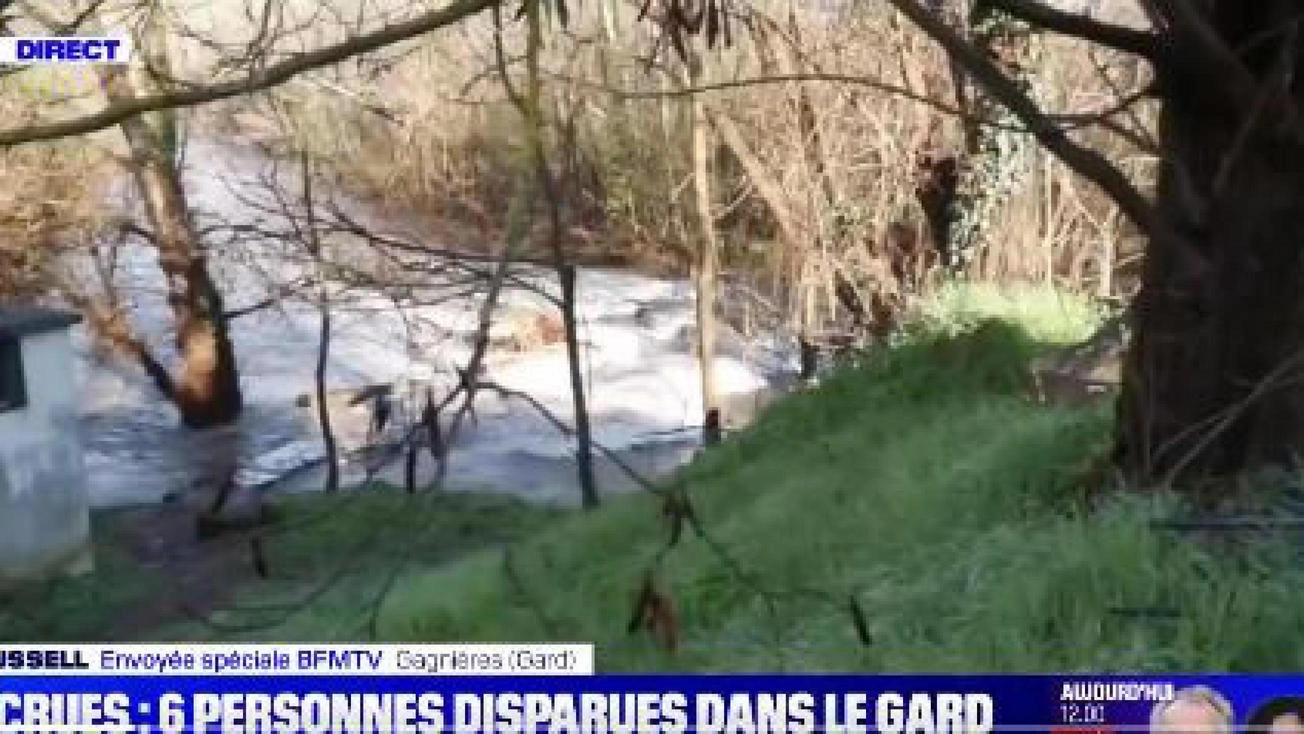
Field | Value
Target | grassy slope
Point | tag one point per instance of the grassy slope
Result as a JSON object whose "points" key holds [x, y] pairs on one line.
{"points": [[329, 560], [350, 551], [922, 483]]}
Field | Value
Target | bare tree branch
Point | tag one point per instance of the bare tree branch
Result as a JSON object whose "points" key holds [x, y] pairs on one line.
{"points": [[265, 78], [1129, 40], [1084, 161], [1067, 120]]}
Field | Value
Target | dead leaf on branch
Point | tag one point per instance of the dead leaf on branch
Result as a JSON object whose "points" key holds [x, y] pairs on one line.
{"points": [[655, 611], [682, 20]]}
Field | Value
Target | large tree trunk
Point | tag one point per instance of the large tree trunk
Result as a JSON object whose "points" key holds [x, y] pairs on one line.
{"points": [[205, 386], [1212, 384]]}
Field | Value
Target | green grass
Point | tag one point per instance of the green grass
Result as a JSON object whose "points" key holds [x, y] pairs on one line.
{"points": [[1043, 314], [927, 487], [329, 558], [75, 609], [922, 483], [335, 558]]}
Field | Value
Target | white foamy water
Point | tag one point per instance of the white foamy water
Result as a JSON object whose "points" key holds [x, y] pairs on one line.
{"points": [[643, 379]]}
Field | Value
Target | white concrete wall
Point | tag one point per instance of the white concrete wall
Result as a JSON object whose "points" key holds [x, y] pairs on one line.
{"points": [[44, 510]]}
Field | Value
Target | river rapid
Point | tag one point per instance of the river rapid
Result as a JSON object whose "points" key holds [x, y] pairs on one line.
{"points": [[637, 344]]}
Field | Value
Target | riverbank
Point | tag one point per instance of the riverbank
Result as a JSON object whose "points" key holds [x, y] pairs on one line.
{"points": [[917, 512]]}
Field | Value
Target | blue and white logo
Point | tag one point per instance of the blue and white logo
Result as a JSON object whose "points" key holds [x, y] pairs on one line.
{"points": [[67, 50]]}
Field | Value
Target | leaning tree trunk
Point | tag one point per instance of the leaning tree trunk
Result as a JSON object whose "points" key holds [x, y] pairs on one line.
{"points": [[205, 387], [1212, 385]]}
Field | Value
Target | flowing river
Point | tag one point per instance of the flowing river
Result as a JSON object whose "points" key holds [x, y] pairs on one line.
{"points": [[642, 375]]}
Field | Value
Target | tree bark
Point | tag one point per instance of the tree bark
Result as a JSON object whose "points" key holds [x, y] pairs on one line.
{"points": [[583, 429], [319, 377], [1212, 384], [323, 410], [704, 274], [312, 240], [205, 386]]}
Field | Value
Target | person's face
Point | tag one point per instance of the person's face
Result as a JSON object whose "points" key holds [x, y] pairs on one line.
{"points": [[1287, 724], [1192, 717]]}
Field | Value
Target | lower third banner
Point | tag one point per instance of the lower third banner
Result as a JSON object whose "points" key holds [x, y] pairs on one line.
{"points": [[69, 689]]}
